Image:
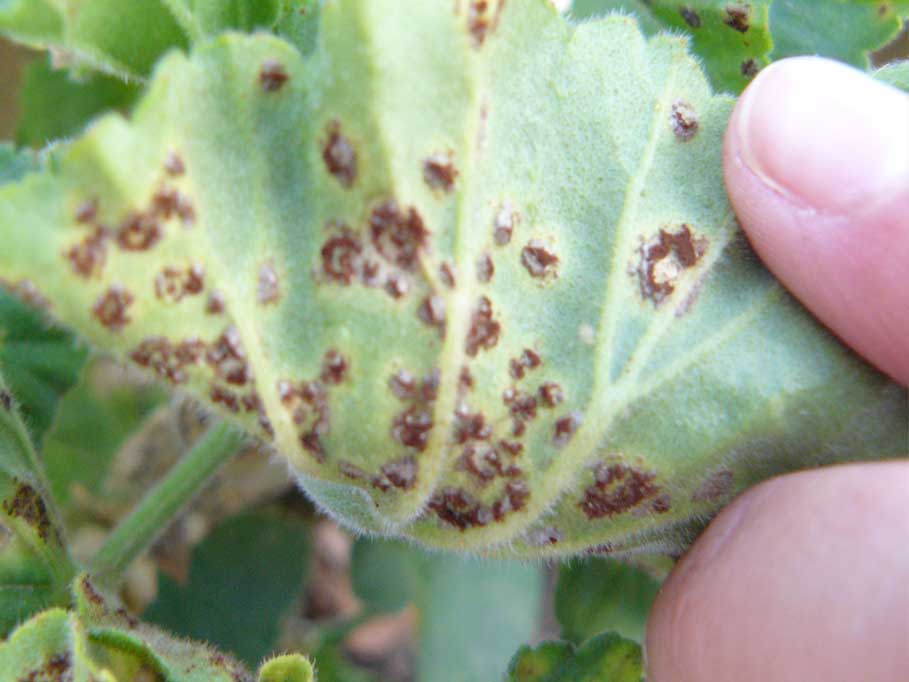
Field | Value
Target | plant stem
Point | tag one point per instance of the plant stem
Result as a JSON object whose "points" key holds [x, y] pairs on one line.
{"points": [[163, 503]]}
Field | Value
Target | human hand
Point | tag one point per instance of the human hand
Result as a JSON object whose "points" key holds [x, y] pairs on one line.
{"points": [[806, 577]]}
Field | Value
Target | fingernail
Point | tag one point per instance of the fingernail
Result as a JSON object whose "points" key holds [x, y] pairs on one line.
{"points": [[825, 134]]}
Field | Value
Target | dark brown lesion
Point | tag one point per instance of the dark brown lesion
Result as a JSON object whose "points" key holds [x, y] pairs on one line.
{"points": [[717, 486], [683, 120], [738, 17], [439, 171], [411, 427], [268, 289], [27, 504], [551, 394], [484, 329], [503, 225], [400, 474], [663, 259], [227, 358], [690, 17], [272, 75], [111, 308], [432, 312], [486, 269], [307, 405], [339, 156], [528, 360], [399, 235], [457, 507], [173, 284], [539, 260], [749, 68], [88, 257], [334, 368], [167, 360], [139, 232], [448, 275], [565, 428], [482, 19], [6, 400], [173, 165], [618, 488]]}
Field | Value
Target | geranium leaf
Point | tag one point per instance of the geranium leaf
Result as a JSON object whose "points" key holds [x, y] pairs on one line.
{"points": [[474, 270], [604, 658]]}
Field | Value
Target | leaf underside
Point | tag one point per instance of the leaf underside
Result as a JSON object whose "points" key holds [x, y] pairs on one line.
{"points": [[471, 267]]}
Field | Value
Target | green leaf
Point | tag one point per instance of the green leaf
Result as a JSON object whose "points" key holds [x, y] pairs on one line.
{"points": [[307, 247], [895, 74], [242, 579], [14, 164], [44, 118], [847, 30], [97, 35], [211, 17], [586, 9], [536, 664], [597, 595], [472, 613], [35, 568], [604, 658], [292, 668]]}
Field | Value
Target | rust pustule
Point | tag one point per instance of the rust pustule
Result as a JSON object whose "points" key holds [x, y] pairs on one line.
{"points": [[272, 75], [717, 486], [691, 17], [401, 473], [482, 19], [87, 212], [411, 428], [173, 284], [399, 235], [485, 268], [334, 368], [339, 156], [683, 120], [664, 259], [268, 290], [432, 312], [539, 260], [617, 488], [439, 172], [447, 275], [339, 256], [88, 257], [527, 361], [738, 17], [227, 358], [551, 394], [484, 330], [565, 428], [139, 232], [504, 223], [173, 165], [111, 308], [28, 505], [749, 68], [6, 400], [215, 303]]}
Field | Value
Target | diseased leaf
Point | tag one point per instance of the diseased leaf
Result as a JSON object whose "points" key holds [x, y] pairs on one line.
{"points": [[481, 324], [292, 668], [472, 614], [35, 568], [55, 105], [241, 581], [604, 658], [616, 598], [847, 30]]}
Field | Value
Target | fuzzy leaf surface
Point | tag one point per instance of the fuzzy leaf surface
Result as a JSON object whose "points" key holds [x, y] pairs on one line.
{"points": [[604, 658], [531, 332]]}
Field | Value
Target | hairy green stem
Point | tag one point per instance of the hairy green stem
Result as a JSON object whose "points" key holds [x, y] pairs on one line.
{"points": [[164, 502]]}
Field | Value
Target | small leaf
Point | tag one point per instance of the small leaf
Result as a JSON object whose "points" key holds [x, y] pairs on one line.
{"points": [[847, 30], [616, 597], [537, 664], [292, 668], [472, 613], [44, 118], [895, 74], [604, 658], [241, 580]]}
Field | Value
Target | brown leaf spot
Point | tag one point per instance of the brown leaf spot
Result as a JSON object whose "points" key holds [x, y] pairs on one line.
{"points": [[334, 368], [684, 120], [402, 384], [691, 17], [482, 19], [396, 286], [484, 330], [169, 363], [504, 224], [6, 400], [225, 397], [544, 536], [485, 268], [457, 508], [339, 256], [565, 429], [173, 284], [539, 261], [173, 165], [227, 358], [28, 505], [432, 312], [527, 361], [737, 17], [272, 75], [87, 212], [89, 256], [215, 304], [399, 236], [470, 426], [447, 275], [339, 156], [616, 489], [351, 471], [749, 68], [551, 394], [439, 172], [139, 232], [111, 308], [313, 445], [717, 486], [411, 428], [268, 290], [465, 380], [663, 259], [402, 473]]}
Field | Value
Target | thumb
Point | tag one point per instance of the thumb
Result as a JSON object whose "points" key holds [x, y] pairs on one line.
{"points": [[816, 163]]}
